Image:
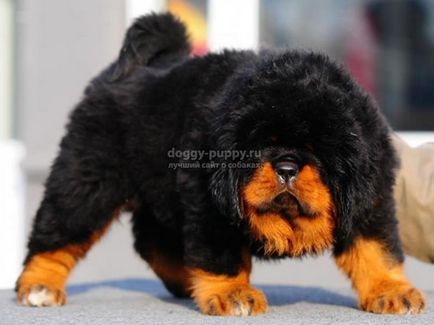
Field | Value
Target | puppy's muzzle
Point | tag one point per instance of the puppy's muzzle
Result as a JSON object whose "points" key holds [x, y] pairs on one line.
{"points": [[286, 171], [285, 200]]}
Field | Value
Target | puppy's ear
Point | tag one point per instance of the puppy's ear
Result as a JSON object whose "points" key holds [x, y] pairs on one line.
{"points": [[353, 195], [346, 207], [225, 189]]}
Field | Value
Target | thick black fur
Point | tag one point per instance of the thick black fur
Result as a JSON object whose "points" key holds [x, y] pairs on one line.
{"points": [[155, 98]]}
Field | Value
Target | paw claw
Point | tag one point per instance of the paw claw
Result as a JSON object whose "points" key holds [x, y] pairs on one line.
{"points": [[398, 301], [40, 296], [238, 301]]}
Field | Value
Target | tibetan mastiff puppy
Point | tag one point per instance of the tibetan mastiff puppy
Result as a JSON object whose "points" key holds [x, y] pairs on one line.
{"points": [[222, 158]]}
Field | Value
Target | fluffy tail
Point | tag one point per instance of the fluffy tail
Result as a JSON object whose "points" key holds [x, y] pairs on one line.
{"points": [[156, 40]]}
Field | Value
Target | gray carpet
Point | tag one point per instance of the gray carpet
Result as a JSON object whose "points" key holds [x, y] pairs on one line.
{"points": [[140, 301]]}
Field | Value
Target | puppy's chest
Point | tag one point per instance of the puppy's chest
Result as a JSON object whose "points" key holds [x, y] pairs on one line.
{"points": [[277, 235]]}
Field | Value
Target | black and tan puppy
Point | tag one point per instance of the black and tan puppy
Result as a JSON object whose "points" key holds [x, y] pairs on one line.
{"points": [[221, 158]]}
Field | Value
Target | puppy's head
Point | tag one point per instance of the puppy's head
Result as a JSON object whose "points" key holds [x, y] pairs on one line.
{"points": [[306, 168]]}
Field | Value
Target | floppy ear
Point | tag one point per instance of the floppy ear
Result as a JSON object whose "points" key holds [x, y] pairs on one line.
{"points": [[353, 193], [225, 189], [345, 204]]}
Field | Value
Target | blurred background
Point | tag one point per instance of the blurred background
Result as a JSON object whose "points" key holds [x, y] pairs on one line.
{"points": [[49, 49]]}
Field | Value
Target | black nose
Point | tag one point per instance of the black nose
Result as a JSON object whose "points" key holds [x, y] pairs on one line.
{"points": [[286, 171]]}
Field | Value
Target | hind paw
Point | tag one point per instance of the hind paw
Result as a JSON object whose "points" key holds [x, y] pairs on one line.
{"points": [[40, 296]]}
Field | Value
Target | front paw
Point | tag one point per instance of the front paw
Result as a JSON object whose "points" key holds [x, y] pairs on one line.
{"points": [[396, 300], [37, 295], [242, 300]]}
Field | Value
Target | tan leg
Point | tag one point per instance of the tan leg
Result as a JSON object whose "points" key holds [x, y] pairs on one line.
{"points": [[379, 280], [227, 295], [42, 282]]}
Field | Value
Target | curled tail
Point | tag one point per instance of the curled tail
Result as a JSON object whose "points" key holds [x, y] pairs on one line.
{"points": [[156, 40]]}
